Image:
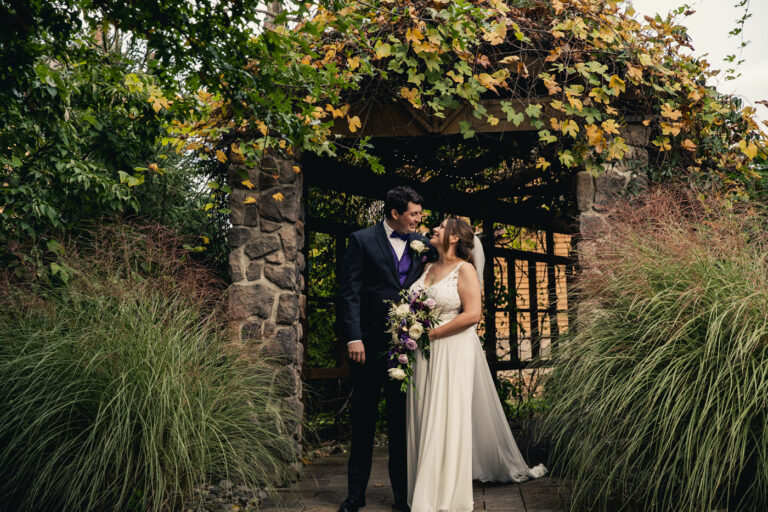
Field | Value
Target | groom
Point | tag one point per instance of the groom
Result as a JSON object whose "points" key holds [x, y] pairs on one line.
{"points": [[378, 264]]}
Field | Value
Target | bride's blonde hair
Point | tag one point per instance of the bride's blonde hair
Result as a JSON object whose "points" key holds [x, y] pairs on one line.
{"points": [[455, 226]]}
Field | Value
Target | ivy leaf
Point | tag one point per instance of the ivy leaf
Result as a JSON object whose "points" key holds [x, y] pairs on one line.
{"points": [[382, 49], [750, 150], [354, 124], [546, 137], [466, 129], [533, 110], [566, 158]]}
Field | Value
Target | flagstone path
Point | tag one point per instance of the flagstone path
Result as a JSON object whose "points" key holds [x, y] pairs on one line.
{"points": [[324, 483]]}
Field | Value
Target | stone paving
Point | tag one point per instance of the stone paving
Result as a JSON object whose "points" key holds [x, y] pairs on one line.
{"points": [[324, 483]]}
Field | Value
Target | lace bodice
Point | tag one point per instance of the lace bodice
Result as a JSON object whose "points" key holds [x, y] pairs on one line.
{"points": [[445, 292]]}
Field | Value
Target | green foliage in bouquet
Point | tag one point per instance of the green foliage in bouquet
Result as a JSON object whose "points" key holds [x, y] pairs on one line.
{"points": [[410, 321], [658, 402]]}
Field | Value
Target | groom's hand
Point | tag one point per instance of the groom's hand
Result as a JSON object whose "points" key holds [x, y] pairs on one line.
{"points": [[356, 351]]}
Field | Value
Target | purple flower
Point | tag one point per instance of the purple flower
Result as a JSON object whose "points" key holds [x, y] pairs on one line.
{"points": [[410, 344], [403, 359], [430, 303]]}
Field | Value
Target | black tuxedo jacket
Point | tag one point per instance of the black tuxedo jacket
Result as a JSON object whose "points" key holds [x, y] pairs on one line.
{"points": [[369, 277]]}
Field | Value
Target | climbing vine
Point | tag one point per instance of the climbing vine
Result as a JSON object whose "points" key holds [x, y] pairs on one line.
{"points": [[578, 72]]}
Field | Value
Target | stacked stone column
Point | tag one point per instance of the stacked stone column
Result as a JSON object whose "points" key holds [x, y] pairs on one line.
{"points": [[595, 196], [266, 265]]}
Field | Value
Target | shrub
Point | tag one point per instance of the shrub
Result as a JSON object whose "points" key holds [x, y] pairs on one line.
{"points": [[658, 401], [119, 389]]}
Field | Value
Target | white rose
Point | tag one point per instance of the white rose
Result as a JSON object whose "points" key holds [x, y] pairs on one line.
{"points": [[418, 246], [396, 373], [403, 310], [416, 331]]}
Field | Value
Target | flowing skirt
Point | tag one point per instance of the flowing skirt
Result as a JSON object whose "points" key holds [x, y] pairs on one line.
{"points": [[456, 428]]}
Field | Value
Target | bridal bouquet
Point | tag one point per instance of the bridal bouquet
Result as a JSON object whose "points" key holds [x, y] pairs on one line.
{"points": [[409, 323]]}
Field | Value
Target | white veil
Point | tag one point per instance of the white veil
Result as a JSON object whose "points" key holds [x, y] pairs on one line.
{"points": [[478, 255]]}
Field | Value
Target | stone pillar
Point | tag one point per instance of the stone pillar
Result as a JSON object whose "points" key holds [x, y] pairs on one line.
{"points": [[266, 265], [595, 196]]}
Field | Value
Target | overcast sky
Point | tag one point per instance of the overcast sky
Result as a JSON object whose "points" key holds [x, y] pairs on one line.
{"points": [[708, 29]]}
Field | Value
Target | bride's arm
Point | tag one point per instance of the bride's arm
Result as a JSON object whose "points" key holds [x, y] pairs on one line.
{"points": [[471, 305]]}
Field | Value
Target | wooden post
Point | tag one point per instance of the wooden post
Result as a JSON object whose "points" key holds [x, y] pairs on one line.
{"points": [[514, 349], [533, 307], [489, 301], [554, 327]]}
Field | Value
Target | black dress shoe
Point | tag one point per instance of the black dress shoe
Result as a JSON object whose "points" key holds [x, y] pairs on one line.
{"points": [[401, 506], [352, 504]]}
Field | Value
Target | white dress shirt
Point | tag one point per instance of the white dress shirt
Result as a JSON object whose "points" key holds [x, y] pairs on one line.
{"points": [[398, 245]]}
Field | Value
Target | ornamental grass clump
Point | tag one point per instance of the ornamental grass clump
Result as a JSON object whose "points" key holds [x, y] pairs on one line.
{"points": [[119, 389], [659, 401]]}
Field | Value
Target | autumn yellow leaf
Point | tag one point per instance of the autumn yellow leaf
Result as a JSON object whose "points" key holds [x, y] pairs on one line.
{"points": [[248, 184], [220, 156], [278, 196], [412, 95], [594, 134], [354, 123], [206, 240], [413, 34], [617, 85], [688, 144], [570, 128], [670, 129], [353, 63], [610, 126], [748, 149], [492, 120], [635, 72], [249, 200], [669, 111], [154, 168], [695, 94], [662, 143], [542, 163], [382, 50], [645, 59], [551, 85], [555, 123], [262, 127], [296, 169]]}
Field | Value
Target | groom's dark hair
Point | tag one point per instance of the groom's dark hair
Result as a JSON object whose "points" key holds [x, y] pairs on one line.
{"points": [[398, 198]]}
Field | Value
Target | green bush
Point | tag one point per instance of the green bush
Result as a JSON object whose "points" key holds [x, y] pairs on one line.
{"points": [[120, 391], [658, 402]]}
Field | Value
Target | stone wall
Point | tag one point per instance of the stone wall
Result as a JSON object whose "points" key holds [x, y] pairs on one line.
{"points": [[266, 265], [595, 196]]}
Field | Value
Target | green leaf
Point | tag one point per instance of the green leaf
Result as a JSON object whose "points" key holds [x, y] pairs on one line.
{"points": [[54, 246], [533, 111], [466, 129]]}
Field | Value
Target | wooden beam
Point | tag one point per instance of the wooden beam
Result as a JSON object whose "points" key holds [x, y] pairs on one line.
{"points": [[531, 213], [397, 119]]}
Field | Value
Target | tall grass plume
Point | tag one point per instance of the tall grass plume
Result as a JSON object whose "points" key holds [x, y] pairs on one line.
{"points": [[659, 399], [119, 389]]}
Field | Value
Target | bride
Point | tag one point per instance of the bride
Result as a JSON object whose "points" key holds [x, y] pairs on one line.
{"points": [[456, 428]]}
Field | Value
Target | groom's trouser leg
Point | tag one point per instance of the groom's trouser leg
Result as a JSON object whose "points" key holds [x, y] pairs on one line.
{"points": [[366, 388], [398, 462]]}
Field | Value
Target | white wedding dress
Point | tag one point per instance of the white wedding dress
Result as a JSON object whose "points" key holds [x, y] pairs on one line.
{"points": [[456, 428]]}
